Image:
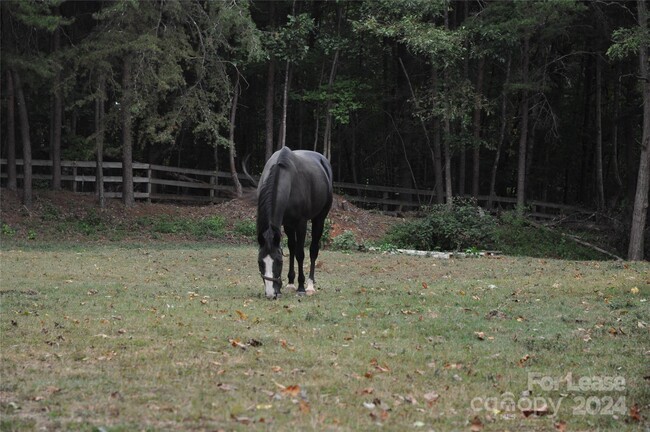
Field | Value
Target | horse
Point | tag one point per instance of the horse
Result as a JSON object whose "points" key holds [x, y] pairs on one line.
{"points": [[295, 187]]}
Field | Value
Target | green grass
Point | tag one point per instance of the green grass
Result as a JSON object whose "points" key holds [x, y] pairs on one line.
{"points": [[179, 337]]}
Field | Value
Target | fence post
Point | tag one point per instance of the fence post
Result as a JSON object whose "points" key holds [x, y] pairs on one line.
{"points": [[74, 178], [213, 183], [149, 175]]}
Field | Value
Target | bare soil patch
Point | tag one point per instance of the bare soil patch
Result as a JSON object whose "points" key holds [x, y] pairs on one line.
{"points": [[52, 207]]}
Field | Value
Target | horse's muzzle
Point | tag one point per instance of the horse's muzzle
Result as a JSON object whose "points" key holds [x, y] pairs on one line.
{"points": [[276, 293]]}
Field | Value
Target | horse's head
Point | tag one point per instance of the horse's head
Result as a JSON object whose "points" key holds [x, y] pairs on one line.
{"points": [[270, 261]]}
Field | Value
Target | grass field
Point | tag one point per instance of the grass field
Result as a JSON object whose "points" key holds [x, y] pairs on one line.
{"points": [[180, 337]]}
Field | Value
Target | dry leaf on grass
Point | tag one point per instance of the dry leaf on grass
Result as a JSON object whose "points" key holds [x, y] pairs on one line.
{"points": [[476, 425], [635, 414], [431, 397], [560, 426], [236, 343]]}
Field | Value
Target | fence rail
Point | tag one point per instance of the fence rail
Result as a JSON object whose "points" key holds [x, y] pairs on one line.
{"points": [[163, 183]]}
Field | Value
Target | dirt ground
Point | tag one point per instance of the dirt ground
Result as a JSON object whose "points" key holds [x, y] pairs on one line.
{"points": [[53, 207]]}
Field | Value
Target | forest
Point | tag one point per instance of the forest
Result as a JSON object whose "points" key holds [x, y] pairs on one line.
{"points": [[546, 100]]}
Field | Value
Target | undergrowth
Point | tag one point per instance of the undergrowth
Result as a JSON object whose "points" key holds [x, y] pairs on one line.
{"points": [[465, 226]]}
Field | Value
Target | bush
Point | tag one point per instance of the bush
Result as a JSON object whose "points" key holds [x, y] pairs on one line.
{"points": [[208, 227], [459, 227], [344, 241], [247, 228]]}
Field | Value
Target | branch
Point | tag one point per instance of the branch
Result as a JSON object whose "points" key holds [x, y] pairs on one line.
{"points": [[577, 240]]}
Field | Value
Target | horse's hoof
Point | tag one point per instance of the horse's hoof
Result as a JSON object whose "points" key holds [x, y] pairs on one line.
{"points": [[291, 287], [301, 293], [310, 292]]}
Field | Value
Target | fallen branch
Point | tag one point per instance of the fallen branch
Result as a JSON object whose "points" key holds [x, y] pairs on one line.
{"points": [[577, 240]]}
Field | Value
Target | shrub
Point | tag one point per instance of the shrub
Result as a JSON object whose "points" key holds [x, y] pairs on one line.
{"points": [[209, 227], [247, 228], [344, 241], [461, 226]]}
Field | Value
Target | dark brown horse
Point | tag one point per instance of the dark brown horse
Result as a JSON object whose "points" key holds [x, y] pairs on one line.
{"points": [[295, 187]]}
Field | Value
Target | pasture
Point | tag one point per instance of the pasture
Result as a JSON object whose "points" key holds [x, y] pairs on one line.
{"points": [[180, 337]]}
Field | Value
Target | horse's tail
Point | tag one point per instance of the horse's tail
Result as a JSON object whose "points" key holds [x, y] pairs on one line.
{"points": [[243, 165]]}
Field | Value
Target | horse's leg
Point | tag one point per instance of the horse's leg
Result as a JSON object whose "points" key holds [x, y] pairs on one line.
{"points": [[317, 226], [291, 240], [301, 232]]}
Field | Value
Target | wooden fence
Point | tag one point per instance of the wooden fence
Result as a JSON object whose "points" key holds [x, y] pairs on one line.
{"points": [[163, 183]]}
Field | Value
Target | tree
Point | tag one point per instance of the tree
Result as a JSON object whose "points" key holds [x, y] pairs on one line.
{"points": [[23, 23], [11, 134], [627, 41], [289, 45], [26, 139]]}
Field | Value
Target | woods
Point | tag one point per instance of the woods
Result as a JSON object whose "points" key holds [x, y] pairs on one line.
{"points": [[546, 100]]}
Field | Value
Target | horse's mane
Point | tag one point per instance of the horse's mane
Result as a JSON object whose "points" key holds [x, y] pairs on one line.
{"points": [[267, 195]]}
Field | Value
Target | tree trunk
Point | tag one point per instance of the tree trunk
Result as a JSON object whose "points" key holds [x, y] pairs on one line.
{"points": [[327, 136], [57, 118], [282, 135], [27, 144], [502, 135], [99, 139], [270, 92], [448, 190], [635, 248], [615, 121], [11, 134], [231, 140], [476, 154], [523, 143], [600, 188], [437, 146], [270, 96], [127, 135]]}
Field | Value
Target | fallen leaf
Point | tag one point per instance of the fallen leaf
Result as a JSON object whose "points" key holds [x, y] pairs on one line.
{"points": [[523, 360], [378, 367], [236, 343], [480, 335], [425, 285], [634, 290], [369, 405], [431, 397], [453, 366], [242, 315], [243, 420], [382, 416], [254, 343], [635, 414], [292, 390], [276, 369], [410, 399], [226, 387], [304, 407], [476, 424], [368, 390], [560, 426]]}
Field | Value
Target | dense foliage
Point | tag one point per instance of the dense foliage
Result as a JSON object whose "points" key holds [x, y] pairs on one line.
{"points": [[461, 226], [536, 99]]}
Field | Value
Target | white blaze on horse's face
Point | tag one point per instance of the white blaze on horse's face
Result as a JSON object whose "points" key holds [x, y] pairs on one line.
{"points": [[268, 272]]}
